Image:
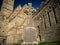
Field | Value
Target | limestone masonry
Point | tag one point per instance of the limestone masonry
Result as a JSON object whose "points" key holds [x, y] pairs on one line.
{"points": [[15, 24]]}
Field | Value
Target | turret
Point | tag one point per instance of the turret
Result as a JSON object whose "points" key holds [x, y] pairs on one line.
{"points": [[7, 7]]}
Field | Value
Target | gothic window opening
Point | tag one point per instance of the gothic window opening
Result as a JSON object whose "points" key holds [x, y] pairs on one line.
{"points": [[39, 33], [38, 29], [40, 37], [44, 21], [55, 15], [4, 41], [49, 19]]}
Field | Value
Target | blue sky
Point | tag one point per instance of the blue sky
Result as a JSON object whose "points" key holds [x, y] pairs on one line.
{"points": [[36, 3]]}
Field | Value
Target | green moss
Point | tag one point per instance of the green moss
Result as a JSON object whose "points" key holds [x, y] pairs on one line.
{"points": [[50, 43]]}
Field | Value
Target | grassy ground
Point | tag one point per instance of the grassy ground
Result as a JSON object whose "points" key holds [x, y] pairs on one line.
{"points": [[50, 43], [16, 44], [45, 43]]}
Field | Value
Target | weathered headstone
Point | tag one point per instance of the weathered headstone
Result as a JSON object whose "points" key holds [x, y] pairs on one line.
{"points": [[30, 32]]}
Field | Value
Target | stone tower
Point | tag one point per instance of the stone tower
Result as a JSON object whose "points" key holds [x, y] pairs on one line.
{"points": [[7, 7], [6, 10]]}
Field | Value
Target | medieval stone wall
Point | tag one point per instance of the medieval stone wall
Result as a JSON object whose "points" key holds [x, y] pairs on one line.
{"points": [[48, 21]]}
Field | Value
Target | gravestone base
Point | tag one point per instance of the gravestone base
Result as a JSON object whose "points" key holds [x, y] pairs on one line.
{"points": [[29, 43]]}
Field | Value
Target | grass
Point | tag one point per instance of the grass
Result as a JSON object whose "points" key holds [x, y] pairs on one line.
{"points": [[16, 44], [50, 43], [45, 43]]}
